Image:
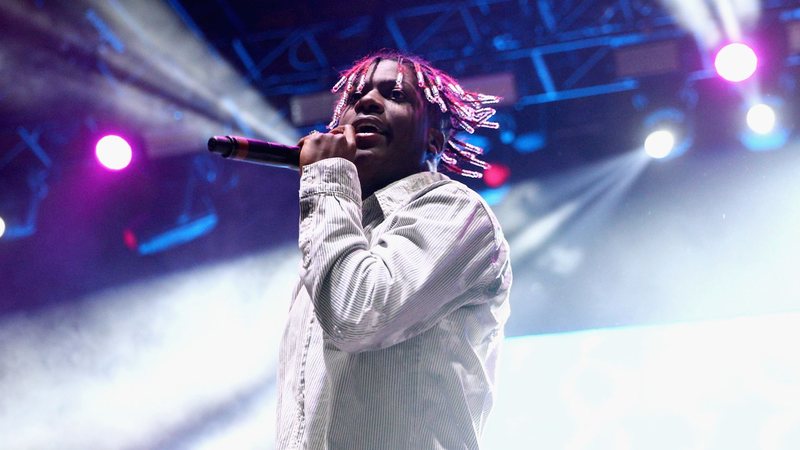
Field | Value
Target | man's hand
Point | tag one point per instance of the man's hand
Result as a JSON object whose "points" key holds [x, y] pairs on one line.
{"points": [[340, 142]]}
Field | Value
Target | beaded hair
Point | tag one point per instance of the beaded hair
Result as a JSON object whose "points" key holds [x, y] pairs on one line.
{"points": [[463, 109]]}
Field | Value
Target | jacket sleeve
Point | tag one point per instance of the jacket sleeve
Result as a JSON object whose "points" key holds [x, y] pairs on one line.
{"points": [[437, 248]]}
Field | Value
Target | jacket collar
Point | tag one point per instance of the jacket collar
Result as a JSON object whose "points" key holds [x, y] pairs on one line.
{"points": [[392, 197]]}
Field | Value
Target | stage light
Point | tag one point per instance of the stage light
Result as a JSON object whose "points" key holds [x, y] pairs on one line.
{"points": [[669, 133], [149, 241], [496, 175], [765, 128], [129, 239], [508, 127], [113, 152], [2, 227], [530, 142], [736, 62], [761, 118], [659, 144]]}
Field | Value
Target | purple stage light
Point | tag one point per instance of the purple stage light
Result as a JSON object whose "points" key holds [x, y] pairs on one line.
{"points": [[736, 62], [113, 152]]}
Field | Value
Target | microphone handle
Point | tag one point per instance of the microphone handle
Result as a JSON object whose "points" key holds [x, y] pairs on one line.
{"points": [[255, 151]]}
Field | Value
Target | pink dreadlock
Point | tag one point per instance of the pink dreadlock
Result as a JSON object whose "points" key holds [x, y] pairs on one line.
{"points": [[466, 110]]}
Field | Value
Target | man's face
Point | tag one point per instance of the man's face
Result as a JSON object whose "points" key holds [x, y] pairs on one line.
{"points": [[392, 130]]}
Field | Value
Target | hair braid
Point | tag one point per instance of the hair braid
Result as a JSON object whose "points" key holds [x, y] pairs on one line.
{"points": [[463, 109]]}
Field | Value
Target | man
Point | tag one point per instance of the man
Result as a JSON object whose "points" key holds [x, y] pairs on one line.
{"points": [[397, 319]]}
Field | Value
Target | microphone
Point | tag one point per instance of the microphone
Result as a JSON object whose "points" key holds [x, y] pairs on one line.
{"points": [[255, 151]]}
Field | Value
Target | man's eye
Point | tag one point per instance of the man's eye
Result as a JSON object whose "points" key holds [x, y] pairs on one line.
{"points": [[397, 95]]}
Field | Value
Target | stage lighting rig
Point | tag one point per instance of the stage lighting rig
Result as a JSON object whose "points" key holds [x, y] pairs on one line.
{"points": [[23, 184]]}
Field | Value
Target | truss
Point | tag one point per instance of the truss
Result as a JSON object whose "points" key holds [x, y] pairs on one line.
{"points": [[560, 49]]}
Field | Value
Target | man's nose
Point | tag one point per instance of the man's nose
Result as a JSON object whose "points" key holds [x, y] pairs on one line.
{"points": [[370, 103]]}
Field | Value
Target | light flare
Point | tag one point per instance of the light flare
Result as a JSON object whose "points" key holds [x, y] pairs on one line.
{"points": [[761, 118], [659, 144], [113, 152], [736, 62]]}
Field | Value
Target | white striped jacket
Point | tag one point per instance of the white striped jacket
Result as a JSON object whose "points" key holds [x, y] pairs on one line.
{"points": [[396, 323]]}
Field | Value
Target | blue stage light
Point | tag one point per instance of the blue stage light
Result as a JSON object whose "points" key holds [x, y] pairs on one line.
{"points": [[530, 142]]}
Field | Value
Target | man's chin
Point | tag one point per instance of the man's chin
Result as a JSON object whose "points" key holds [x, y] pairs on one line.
{"points": [[363, 154]]}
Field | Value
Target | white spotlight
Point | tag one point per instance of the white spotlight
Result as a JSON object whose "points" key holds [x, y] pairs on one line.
{"points": [[2, 227], [670, 133], [736, 62], [765, 128], [659, 144], [761, 118]]}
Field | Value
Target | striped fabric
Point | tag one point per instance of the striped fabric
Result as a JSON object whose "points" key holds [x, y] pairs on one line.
{"points": [[398, 316]]}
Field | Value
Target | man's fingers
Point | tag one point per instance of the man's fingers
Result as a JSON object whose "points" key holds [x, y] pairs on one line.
{"points": [[339, 142], [350, 136], [305, 138]]}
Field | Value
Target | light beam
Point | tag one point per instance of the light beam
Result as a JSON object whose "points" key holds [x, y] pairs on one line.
{"points": [[159, 76]]}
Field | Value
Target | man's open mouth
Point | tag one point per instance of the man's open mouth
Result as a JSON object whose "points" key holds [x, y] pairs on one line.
{"points": [[369, 125], [368, 128]]}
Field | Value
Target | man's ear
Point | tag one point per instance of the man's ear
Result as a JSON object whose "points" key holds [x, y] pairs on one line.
{"points": [[435, 142]]}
